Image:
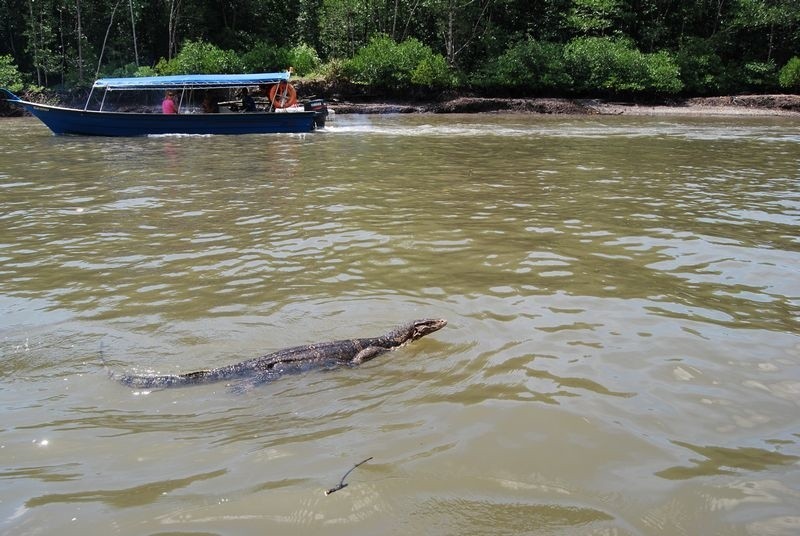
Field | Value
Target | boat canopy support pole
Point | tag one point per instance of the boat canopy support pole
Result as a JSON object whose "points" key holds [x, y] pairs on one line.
{"points": [[102, 102], [271, 104], [86, 106], [285, 92]]}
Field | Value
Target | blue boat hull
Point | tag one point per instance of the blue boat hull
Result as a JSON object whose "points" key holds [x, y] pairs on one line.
{"points": [[93, 123]]}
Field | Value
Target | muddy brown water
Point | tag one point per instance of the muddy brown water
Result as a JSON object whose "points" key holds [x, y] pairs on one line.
{"points": [[622, 355]]}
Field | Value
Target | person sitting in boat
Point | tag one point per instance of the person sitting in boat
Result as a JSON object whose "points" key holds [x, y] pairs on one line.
{"points": [[168, 105], [248, 104], [210, 104]]}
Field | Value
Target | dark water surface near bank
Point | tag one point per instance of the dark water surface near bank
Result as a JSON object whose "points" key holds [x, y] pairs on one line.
{"points": [[622, 357]]}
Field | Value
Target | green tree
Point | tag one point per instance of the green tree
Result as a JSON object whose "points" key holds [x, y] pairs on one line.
{"points": [[717, 45], [344, 27], [766, 25], [10, 77], [264, 57], [790, 74], [385, 64], [616, 66], [663, 73], [308, 23], [432, 72], [542, 20], [460, 24], [303, 59], [40, 33], [700, 66], [594, 17], [759, 75], [201, 57], [531, 65]]}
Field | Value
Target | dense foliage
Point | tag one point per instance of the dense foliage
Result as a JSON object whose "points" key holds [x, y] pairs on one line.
{"points": [[10, 77], [556, 47], [790, 74], [385, 64]]}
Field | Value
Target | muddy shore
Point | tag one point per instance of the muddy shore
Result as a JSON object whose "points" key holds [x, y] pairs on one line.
{"points": [[776, 105], [353, 103]]}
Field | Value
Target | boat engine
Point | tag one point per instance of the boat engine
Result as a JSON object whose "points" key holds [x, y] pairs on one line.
{"points": [[320, 110]]}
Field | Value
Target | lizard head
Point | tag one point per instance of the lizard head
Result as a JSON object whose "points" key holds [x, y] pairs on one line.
{"points": [[417, 329]]}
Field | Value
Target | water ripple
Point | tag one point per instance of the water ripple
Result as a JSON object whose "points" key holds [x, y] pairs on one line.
{"points": [[622, 353]]}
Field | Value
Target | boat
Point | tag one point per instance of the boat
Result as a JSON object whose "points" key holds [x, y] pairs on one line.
{"points": [[277, 108]]}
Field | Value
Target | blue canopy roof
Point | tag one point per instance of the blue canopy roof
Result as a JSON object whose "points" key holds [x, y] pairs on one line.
{"points": [[191, 81]]}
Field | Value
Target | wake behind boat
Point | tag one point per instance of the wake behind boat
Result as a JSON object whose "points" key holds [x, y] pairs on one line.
{"points": [[274, 108]]}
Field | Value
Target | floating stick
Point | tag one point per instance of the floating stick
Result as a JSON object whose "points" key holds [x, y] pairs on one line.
{"points": [[341, 482]]}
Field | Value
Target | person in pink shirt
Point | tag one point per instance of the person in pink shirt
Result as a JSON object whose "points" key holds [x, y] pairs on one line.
{"points": [[168, 105]]}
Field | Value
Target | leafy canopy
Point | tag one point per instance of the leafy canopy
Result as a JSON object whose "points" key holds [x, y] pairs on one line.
{"points": [[10, 77], [384, 63]]}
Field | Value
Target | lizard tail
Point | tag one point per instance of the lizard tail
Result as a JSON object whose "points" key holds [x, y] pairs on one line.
{"points": [[106, 366]]}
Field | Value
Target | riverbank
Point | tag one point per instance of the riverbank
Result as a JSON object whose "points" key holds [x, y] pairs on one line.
{"points": [[350, 103], [782, 105]]}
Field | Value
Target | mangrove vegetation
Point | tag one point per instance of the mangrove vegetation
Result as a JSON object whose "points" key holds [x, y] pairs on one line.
{"points": [[415, 47]]}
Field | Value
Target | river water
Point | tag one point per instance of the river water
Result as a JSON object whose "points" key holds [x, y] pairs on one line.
{"points": [[622, 355]]}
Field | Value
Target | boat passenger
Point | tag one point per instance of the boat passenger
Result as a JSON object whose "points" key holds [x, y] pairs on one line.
{"points": [[210, 105], [168, 105], [248, 104]]}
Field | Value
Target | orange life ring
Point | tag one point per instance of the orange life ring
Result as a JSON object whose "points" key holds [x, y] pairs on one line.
{"points": [[282, 95]]}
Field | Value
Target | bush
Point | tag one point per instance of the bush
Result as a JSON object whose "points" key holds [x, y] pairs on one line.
{"points": [[789, 76], [409, 54], [598, 63], [10, 77], [616, 66], [145, 70], [532, 65], [700, 67], [663, 73], [304, 59], [384, 63], [760, 75], [432, 72], [333, 70], [377, 64], [198, 57], [264, 57], [129, 69]]}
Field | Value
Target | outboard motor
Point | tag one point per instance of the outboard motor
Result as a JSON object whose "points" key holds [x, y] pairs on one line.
{"points": [[320, 110]]}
